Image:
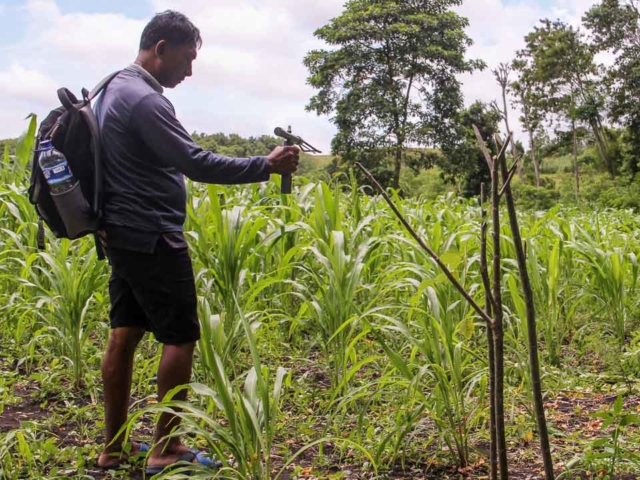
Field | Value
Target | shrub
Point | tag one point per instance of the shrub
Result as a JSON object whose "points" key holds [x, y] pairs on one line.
{"points": [[529, 197]]}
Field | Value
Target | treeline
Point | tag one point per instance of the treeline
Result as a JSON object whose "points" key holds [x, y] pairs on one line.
{"points": [[560, 83], [234, 145], [231, 145], [8, 145], [389, 83]]}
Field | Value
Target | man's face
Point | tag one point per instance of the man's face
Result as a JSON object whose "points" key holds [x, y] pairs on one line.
{"points": [[175, 63]]}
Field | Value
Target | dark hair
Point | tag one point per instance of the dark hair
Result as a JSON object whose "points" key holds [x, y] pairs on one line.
{"points": [[173, 27]]}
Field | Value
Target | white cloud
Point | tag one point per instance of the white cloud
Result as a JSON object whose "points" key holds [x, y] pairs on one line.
{"points": [[42, 9], [90, 39], [256, 47], [498, 31], [95, 38], [249, 75], [20, 84], [23, 90]]}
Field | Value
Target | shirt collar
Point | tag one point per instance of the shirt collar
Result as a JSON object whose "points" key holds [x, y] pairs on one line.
{"points": [[150, 79]]}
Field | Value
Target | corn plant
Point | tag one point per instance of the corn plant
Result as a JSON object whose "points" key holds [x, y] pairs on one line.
{"points": [[66, 282], [224, 248], [339, 259], [16, 456], [15, 170], [439, 338], [27, 452], [250, 414], [19, 215], [608, 271], [443, 353], [20, 226]]}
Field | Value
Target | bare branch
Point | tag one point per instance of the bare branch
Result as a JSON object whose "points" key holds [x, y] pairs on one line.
{"points": [[483, 147], [426, 248], [503, 149], [484, 270], [512, 172]]}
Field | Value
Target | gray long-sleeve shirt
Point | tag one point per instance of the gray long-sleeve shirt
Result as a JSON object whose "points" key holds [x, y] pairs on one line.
{"points": [[147, 153]]}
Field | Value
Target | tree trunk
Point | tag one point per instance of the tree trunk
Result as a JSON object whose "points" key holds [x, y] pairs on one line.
{"points": [[596, 127], [532, 146], [498, 360], [575, 158], [397, 167], [602, 148], [534, 158], [605, 140]]}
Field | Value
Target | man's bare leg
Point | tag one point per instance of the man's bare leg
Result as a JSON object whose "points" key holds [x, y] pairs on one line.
{"points": [[117, 370], [175, 369]]}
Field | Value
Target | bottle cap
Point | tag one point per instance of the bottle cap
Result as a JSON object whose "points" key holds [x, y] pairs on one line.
{"points": [[45, 145]]}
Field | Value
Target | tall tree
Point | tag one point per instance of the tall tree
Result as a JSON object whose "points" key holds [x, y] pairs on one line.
{"points": [[464, 162], [501, 74], [389, 79], [532, 106], [615, 27], [562, 67]]}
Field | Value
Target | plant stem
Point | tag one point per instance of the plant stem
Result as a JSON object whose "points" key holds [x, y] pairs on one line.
{"points": [[536, 382], [488, 300], [425, 247], [498, 334]]}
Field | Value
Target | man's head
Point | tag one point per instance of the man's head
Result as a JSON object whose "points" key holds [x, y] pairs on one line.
{"points": [[168, 46]]}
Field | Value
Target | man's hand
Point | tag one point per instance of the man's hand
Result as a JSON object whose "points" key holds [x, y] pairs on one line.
{"points": [[284, 160]]}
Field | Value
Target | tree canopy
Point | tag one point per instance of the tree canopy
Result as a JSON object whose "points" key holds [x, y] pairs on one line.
{"points": [[388, 79]]}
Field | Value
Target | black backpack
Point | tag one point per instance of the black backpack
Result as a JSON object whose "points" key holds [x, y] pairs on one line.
{"points": [[73, 131]]}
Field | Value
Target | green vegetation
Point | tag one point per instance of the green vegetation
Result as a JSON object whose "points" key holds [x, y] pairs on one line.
{"points": [[331, 343], [389, 78]]}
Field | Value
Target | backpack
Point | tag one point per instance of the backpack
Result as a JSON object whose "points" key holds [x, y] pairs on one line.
{"points": [[73, 131]]}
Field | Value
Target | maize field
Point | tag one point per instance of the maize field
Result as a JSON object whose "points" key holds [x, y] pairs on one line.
{"points": [[332, 346]]}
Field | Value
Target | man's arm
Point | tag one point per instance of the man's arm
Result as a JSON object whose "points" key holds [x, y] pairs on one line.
{"points": [[155, 122]]}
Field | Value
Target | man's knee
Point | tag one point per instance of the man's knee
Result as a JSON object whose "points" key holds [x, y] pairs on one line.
{"points": [[183, 350], [124, 340]]}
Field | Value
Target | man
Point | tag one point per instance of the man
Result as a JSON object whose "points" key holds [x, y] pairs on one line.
{"points": [[146, 154]]}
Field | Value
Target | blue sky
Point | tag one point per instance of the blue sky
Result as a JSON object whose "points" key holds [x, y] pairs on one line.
{"points": [[14, 18], [248, 78], [135, 8]]}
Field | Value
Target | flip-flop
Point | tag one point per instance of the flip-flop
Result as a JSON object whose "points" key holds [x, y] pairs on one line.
{"points": [[144, 448], [202, 459], [189, 457]]}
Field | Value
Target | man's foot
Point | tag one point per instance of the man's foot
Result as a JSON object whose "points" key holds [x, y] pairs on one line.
{"points": [[111, 459], [158, 464], [170, 455]]}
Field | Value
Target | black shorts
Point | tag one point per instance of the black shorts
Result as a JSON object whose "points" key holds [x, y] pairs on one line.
{"points": [[155, 291]]}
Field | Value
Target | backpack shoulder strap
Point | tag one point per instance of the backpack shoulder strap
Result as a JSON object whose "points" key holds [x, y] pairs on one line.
{"points": [[87, 113], [92, 123], [102, 85]]}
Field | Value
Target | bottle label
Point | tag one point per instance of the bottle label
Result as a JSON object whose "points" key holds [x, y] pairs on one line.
{"points": [[57, 173]]}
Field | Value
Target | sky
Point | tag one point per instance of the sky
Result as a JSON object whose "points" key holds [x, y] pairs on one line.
{"points": [[248, 77]]}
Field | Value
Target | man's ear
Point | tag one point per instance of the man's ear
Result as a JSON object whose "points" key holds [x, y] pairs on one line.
{"points": [[161, 48]]}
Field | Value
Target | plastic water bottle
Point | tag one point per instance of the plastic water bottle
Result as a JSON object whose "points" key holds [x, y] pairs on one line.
{"points": [[56, 169]]}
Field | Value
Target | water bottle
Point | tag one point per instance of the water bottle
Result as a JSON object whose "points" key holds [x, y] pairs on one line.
{"points": [[55, 169], [66, 193]]}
